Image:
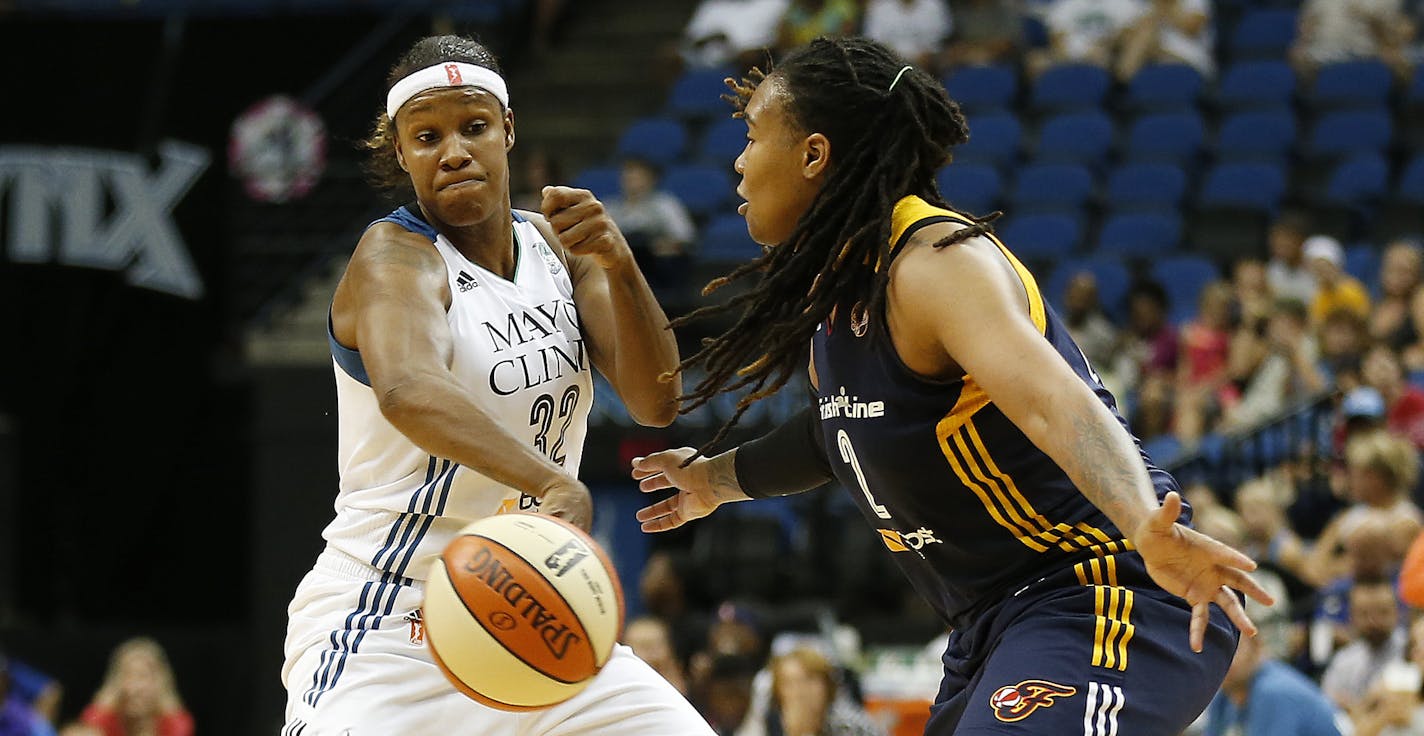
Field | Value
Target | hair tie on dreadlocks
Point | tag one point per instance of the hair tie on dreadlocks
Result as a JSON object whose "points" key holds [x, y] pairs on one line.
{"points": [[903, 69]]}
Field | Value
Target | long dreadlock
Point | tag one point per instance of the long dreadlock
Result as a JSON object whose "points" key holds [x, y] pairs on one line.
{"points": [[888, 143]]}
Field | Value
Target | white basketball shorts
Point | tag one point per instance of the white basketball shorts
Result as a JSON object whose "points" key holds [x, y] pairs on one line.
{"points": [[357, 665]]}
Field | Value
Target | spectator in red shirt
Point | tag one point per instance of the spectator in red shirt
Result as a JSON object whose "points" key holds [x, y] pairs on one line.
{"points": [[1203, 385], [1404, 415], [138, 695]]}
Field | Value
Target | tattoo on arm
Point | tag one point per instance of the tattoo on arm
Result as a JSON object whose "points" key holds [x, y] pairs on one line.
{"points": [[1112, 479]]}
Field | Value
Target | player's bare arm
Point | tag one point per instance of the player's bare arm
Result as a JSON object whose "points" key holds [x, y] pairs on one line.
{"points": [[938, 329], [391, 307], [624, 327]]}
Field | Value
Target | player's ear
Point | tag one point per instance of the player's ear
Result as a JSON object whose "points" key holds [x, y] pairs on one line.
{"points": [[815, 155], [508, 130]]}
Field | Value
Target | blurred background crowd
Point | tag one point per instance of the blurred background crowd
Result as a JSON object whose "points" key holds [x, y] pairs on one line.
{"points": [[1223, 198]]}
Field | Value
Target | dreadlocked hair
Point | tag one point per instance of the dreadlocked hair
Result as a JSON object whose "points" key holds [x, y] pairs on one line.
{"points": [[886, 144], [381, 167]]}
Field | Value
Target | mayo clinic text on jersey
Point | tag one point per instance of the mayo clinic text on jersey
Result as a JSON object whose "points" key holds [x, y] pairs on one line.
{"points": [[528, 360]]}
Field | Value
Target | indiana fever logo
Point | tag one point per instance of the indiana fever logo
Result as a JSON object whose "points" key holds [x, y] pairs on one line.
{"points": [[1015, 702]]}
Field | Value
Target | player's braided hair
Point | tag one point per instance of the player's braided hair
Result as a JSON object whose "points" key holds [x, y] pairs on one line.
{"points": [[382, 168], [887, 144]]}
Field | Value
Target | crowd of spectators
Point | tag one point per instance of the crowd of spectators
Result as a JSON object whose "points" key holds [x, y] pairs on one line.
{"points": [[1121, 35]]}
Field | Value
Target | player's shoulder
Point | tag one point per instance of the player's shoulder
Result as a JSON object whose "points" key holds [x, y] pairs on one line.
{"points": [[927, 255], [389, 246], [927, 271]]}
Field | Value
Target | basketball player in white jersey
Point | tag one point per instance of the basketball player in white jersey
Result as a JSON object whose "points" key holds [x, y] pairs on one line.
{"points": [[462, 335]]}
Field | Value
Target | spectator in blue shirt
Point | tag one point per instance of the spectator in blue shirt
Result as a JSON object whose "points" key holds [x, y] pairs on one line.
{"points": [[1264, 697]]}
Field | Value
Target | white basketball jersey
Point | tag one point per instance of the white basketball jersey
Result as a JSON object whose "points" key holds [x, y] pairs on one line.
{"points": [[519, 351]]}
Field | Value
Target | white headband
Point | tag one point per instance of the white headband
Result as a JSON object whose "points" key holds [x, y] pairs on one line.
{"points": [[446, 74]]}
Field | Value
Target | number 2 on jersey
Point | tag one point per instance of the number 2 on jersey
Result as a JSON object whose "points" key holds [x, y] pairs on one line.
{"points": [[848, 456], [542, 414]]}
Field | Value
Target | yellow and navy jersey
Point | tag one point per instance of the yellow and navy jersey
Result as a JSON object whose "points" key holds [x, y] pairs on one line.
{"points": [[969, 508]]}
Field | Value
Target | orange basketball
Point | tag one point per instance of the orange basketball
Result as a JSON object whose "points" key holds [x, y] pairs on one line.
{"points": [[522, 610]]}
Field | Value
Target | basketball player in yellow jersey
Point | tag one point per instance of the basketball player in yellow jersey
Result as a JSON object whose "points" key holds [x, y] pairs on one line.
{"points": [[958, 413], [463, 334]]}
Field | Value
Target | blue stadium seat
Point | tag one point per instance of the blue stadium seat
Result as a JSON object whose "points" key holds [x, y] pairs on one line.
{"points": [[726, 240], [722, 142], [974, 188], [1052, 186], [1183, 277], [660, 141], [1042, 236], [1112, 276], [603, 181], [1070, 86], [1164, 449], [1146, 185], [1263, 34], [1257, 134], [980, 88], [1249, 84], [1141, 234], [1076, 137], [1364, 83], [1363, 262], [993, 139], [1165, 87], [698, 94], [1411, 181], [1358, 180], [1175, 138], [703, 189], [1347, 132], [1257, 186]]}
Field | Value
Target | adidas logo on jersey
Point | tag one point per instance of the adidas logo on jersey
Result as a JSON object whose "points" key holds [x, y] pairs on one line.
{"points": [[466, 281]]}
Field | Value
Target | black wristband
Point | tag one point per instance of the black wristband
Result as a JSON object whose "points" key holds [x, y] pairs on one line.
{"points": [[787, 460]]}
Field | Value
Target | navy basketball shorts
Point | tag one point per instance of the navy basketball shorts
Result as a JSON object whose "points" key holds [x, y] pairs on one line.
{"points": [[1097, 650]]}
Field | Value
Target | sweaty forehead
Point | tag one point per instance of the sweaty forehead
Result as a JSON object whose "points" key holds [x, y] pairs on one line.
{"points": [[465, 98], [767, 107]]}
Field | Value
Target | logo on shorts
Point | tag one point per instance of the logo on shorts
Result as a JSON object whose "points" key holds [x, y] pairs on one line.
{"points": [[452, 71], [417, 628], [1015, 702]]}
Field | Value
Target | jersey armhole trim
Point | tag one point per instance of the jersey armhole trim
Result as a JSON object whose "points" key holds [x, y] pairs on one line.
{"points": [[349, 359], [915, 227], [409, 217]]}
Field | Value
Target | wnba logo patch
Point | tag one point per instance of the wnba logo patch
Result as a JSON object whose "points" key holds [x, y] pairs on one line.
{"points": [[452, 72], [1016, 702], [417, 628]]}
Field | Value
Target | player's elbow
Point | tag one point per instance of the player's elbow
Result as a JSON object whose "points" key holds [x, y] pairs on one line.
{"points": [[658, 413], [399, 401]]}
